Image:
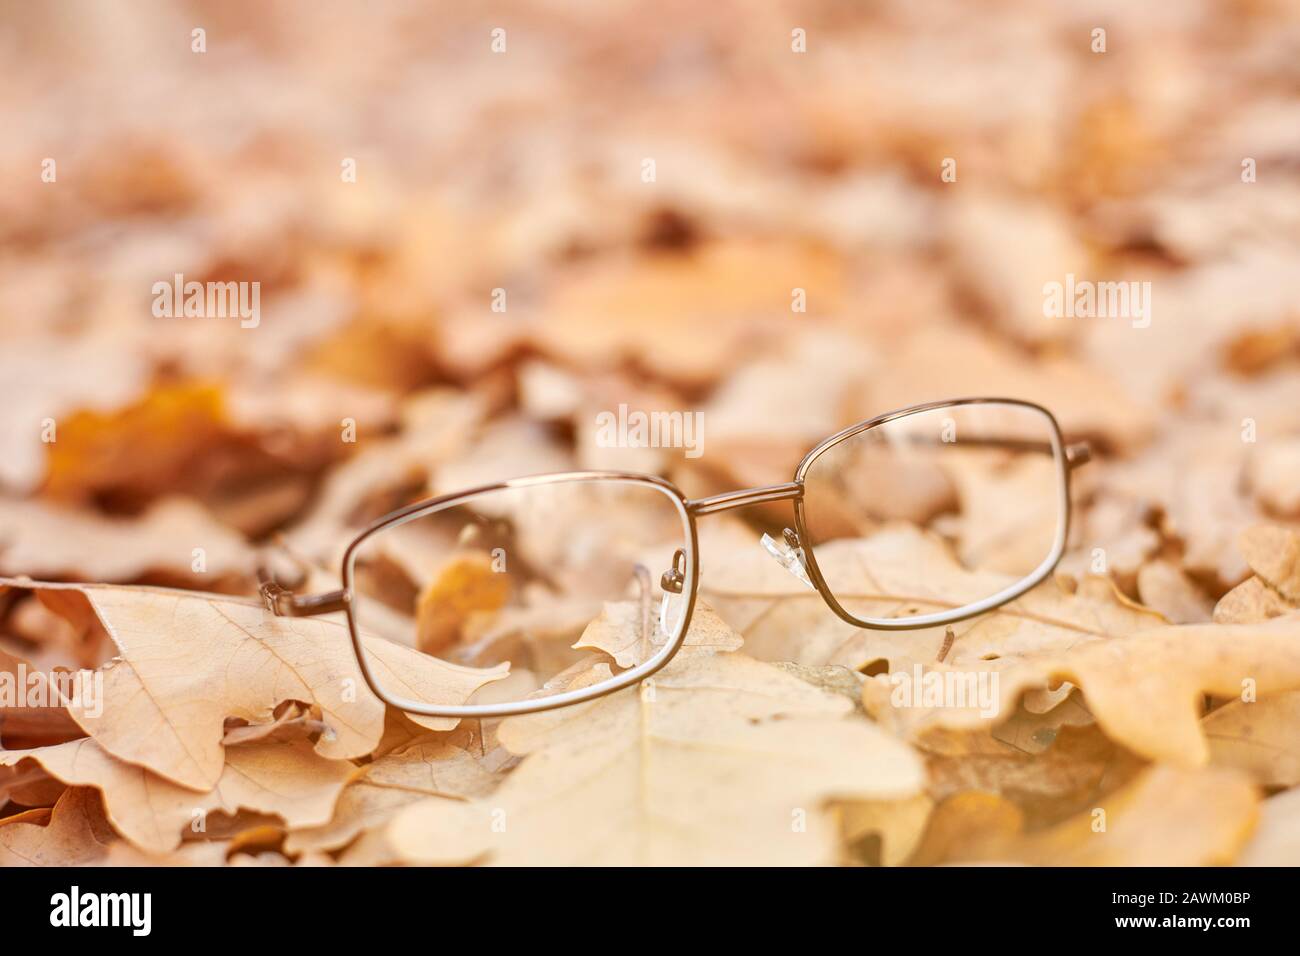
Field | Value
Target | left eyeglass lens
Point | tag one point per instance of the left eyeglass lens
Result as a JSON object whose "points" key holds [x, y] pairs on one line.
{"points": [[556, 586]]}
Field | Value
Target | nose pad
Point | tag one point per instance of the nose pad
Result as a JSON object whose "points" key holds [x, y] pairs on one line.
{"points": [[671, 582], [789, 555], [673, 579]]}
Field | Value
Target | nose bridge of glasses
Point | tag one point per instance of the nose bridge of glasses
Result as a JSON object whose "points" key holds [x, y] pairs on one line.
{"points": [[745, 497]]}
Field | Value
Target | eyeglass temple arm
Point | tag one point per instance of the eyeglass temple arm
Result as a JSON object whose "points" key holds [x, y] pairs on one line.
{"points": [[282, 602]]}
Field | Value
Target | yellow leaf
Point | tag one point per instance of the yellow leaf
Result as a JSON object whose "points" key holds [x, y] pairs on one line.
{"points": [[625, 631], [1261, 737], [1274, 554], [74, 833], [145, 447], [429, 768], [188, 661], [781, 619], [1145, 690], [721, 759], [48, 541], [1165, 817], [461, 587], [287, 779], [1276, 841]]}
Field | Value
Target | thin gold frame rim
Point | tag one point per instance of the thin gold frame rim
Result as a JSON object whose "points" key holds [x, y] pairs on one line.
{"points": [[631, 676], [966, 611]]}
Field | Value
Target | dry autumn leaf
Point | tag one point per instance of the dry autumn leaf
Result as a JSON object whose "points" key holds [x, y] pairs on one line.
{"points": [[427, 768], [1261, 737], [44, 379], [465, 585], [624, 631], [286, 779], [1276, 841], [1272, 553], [175, 538], [147, 446], [1146, 690], [1166, 817], [781, 619], [1164, 587], [73, 833], [721, 759], [188, 661]]}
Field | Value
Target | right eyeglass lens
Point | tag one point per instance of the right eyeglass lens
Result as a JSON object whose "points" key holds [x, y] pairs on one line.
{"points": [[556, 586], [936, 510]]}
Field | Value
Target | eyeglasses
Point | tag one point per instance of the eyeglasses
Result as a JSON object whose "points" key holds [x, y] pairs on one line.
{"points": [[560, 588]]}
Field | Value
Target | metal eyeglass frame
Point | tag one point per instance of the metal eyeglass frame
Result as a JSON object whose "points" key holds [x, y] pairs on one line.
{"points": [[283, 601]]}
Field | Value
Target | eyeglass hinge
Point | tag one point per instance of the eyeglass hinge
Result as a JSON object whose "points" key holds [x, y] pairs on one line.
{"points": [[1078, 453], [284, 603]]}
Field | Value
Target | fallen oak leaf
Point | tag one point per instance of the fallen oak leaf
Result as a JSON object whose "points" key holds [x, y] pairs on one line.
{"points": [[29, 787], [222, 826], [188, 661], [629, 633], [292, 719], [966, 823], [830, 678], [435, 425], [1084, 401], [1002, 248], [59, 636], [1121, 528], [47, 723], [1164, 817], [429, 768], [1250, 602], [1271, 472], [256, 840], [781, 619], [1032, 732], [465, 585], [46, 378], [245, 858], [193, 853], [756, 433], [1145, 690], [1274, 554], [616, 632], [1164, 587], [721, 758], [286, 779], [1260, 737], [1044, 786], [530, 631], [41, 540], [141, 450], [895, 826], [74, 833], [1276, 841], [1191, 477], [626, 631], [686, 317]]}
